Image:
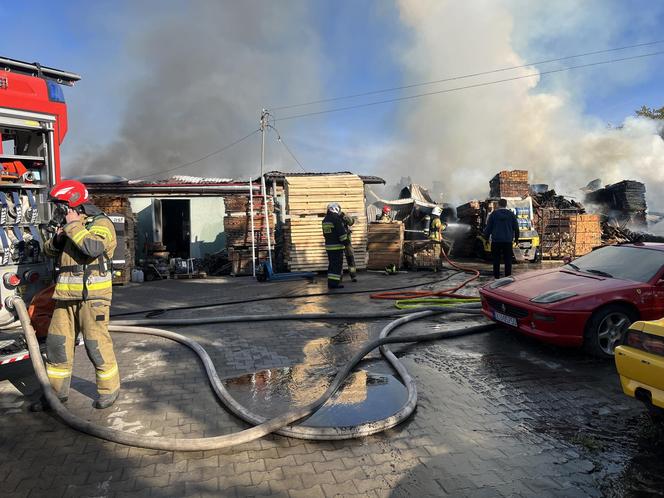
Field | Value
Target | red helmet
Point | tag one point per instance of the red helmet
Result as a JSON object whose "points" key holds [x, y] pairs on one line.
{"points": [[71, 192], [387, 209]]}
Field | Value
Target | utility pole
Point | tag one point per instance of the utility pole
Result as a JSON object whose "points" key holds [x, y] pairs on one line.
{"points": [[266, 221]]}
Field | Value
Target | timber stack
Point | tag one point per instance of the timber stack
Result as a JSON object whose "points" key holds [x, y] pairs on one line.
{"points": [[510, 184], [237, 227], [385, 245], [118, 209], [307, 197], [624, 202]]}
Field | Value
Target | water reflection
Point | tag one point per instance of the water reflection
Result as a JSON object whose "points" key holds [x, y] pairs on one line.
{"points": [[365, 396]]}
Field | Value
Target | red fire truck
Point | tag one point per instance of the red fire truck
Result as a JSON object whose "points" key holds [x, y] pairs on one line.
{"points": [[33, 124]]}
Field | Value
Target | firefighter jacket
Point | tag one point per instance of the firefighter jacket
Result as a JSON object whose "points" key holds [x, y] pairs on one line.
{"points": [[436, 229], [334, 231], [84, 253], [348, 222]]}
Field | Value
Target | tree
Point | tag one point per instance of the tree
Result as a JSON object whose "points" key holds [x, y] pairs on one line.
{"points": [[647, 112]]}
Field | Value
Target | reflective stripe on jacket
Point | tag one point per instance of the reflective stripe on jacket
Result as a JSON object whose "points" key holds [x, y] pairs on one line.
{"points": [[436, 230], [334, 232], [84, 259]]}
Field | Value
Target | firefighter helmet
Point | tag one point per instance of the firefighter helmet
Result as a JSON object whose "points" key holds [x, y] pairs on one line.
{"points": [[387, 209], [334, 207], [70, 192], [437, 211]]}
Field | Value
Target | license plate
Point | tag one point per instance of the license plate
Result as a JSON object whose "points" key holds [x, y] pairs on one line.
{"points": [[509, 320]]}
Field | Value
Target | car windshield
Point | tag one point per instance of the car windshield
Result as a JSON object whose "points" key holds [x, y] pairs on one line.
{"points": [[624, 262]]}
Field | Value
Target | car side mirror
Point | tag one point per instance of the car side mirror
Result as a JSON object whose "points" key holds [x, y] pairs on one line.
{"points": [[567, 260]]}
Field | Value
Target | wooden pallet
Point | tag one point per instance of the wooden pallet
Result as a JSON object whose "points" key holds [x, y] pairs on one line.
{"points": [[385, 245]]}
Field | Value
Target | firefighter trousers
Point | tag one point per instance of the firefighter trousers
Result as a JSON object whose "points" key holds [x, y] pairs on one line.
{"points": [[350, 260], [335, 265], [89, 318]]}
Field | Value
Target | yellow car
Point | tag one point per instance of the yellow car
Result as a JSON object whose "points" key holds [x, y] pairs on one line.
{"points": [[640, 363]]}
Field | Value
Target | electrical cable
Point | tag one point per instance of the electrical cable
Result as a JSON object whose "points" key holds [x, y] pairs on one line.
{"points": [[149, 313], [465, 76], [218, 151], [466, 87], [282, 142], [280, 424]]}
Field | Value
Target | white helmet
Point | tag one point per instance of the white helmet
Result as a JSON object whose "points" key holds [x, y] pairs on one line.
{"points": [[437, 211], [334, 207]]}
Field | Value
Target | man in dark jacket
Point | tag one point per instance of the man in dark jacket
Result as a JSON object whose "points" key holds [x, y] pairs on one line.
{"points": [[503, 228]]}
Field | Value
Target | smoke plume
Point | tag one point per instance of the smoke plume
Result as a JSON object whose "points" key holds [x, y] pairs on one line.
{"points": [[463, 138], [204, 71]]}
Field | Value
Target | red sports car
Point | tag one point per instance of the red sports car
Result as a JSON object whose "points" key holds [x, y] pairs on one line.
{"points": [[588, 302]]}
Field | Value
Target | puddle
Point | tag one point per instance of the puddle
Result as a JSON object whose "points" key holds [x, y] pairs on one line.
{"points": [[365, 397]]}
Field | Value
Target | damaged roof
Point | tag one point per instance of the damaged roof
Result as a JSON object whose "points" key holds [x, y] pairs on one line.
{"points": [[367, 179]]}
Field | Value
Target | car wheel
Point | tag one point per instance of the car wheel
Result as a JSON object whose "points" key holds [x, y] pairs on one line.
{"points": [[606, 329]]}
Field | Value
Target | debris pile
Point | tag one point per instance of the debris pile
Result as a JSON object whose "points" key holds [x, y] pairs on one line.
{"points": [[510, 184], [624, 202], [613, 234]]}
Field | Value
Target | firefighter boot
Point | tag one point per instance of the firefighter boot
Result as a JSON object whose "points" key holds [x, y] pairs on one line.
{"points": [[106, 400]]}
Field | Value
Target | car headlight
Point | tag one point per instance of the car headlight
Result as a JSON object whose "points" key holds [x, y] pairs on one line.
{"points": [[501, 282], [553, 297]]}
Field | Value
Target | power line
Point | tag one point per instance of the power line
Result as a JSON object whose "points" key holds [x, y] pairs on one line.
{"points": [[281, 141], [476, 85], [218, 151], [454, 78]]}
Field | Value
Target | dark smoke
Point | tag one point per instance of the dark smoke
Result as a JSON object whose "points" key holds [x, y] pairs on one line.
{"points": [[206, 70]]}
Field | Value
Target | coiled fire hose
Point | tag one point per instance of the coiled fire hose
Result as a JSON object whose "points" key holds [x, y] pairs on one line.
{"points": [[281, 424]]}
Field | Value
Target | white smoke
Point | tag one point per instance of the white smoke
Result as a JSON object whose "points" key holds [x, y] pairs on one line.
{"points": [[464, 138]]}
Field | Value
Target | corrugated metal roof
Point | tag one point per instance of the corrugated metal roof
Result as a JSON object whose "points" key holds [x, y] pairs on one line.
{"points": [[368, 179]]}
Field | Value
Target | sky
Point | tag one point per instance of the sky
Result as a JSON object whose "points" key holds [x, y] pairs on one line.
{"points": [[165, 83]]}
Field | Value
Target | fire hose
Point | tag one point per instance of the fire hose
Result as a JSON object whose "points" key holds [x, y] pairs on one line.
{"points": [[451, 292], [281, 424]]}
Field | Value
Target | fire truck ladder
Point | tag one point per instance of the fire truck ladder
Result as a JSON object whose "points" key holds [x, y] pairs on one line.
{"points": [[36, 69]]}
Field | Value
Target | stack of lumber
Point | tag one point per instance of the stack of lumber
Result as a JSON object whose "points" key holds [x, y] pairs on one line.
{"points": [[385, 246], [469, 214], [587, 233], [556, 235], [118, 207], [237, 221], [307, 198], [624, 202], [510, 184]]}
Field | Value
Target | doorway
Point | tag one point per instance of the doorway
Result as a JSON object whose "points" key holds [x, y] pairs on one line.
{"points": [[176, 227]]}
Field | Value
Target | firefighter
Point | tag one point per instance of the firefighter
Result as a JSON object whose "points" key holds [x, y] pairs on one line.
{"points": [[348, 222], [83, 248], [386, 215], [436, 228], [336, 240]]}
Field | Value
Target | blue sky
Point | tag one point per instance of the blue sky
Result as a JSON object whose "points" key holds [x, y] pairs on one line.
{"points": [[299, 51]]}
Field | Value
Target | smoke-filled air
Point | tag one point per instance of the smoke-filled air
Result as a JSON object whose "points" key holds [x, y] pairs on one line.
{"points": [[202, 87]]}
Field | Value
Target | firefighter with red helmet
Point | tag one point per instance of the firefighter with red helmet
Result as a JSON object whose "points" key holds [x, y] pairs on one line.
{"points": [[83, 245], [385, 215]]}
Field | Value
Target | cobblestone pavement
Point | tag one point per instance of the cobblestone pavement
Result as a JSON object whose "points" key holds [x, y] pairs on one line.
{"points": [[498, 414]]}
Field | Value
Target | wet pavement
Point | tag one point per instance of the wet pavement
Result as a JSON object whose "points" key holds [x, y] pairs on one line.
{"points": [[498, 414]]}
